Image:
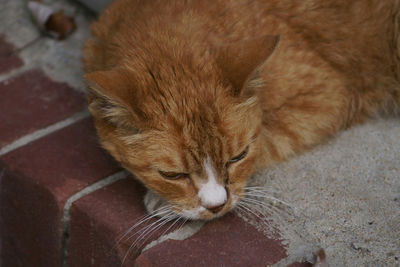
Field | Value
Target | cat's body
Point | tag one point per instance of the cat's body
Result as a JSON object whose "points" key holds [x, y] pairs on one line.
{"points": [[194, 96]]}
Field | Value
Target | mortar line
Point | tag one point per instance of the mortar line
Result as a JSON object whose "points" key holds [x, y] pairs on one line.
{"points": [[24, 140], [66, 216], [23, 47], [13, 73], [186, 231]]}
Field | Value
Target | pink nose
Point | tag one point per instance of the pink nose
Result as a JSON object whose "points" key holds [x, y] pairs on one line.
{"points": [[216, 209]]}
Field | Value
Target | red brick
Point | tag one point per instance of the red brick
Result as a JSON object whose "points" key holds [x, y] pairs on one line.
{"points": [[35, 184], [30, 223], [32, 101], [228, 241], [100, 219], [8, 60]]}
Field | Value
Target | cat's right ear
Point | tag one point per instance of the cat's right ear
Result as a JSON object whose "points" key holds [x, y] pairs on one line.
{"points": [[239, 60], [109, 97]]}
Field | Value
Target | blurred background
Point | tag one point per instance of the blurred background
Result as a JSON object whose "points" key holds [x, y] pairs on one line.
{"points": [[60, 59]]}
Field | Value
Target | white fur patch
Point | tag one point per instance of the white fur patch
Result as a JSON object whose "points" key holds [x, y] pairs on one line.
{"points": [[211, 193], [193, 214]]}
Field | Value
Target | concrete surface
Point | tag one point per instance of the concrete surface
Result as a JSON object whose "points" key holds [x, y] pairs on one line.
{"points": [[343, 196]]}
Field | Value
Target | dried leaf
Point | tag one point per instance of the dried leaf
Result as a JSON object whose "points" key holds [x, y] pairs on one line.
{"points": [[53, 23], [60, 24]]}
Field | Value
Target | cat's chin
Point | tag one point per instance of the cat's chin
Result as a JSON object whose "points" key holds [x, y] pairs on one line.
{"points": [[154, 203]]}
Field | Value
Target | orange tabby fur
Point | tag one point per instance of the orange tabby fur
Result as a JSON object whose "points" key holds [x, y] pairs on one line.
{"points": [[172, 83]]}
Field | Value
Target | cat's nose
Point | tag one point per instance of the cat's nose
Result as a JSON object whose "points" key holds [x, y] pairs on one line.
{"points": [[213, 198], [215, 209]]}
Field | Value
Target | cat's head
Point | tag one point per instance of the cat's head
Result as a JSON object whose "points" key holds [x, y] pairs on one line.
{"points": [[188, 131]]}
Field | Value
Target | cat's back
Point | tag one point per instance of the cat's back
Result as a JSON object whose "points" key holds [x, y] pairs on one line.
{"points": [[336, 29], [130, 27], [137, 23]]}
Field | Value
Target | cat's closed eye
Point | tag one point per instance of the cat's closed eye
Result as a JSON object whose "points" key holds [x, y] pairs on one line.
{"points": [[173, 175], [239, 157]]}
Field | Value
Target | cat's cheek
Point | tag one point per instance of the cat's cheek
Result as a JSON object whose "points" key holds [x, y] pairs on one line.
{"points": [[249, 165], [113, 150], [180, 195], [239, 173], [238, 180], [236, 192]]}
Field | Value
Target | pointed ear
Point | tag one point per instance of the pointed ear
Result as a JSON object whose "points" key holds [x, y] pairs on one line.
{"points": [[109, 96], [238, 60]]}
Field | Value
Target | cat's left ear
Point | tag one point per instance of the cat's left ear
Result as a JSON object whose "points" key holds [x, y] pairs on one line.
{"points": [[110, 97], [238, 60]]}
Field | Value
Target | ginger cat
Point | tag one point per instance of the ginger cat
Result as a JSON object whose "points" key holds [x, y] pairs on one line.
{"points": [[194, 96]]}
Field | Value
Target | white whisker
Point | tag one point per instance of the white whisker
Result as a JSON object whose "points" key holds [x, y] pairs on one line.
{"points": [[143, 240], [274, 201], [183, 223], [241, 209], [260, 193], [261, 203], [271, 209], [158, 212], [149, 230], [176, 220], [248, 209], [260, 188], [144, 229], [272, 204]]}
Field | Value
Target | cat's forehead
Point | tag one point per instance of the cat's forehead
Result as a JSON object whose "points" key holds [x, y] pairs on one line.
{"points": [[218, 129], [213, 139]]}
